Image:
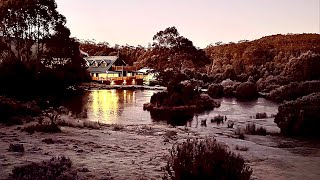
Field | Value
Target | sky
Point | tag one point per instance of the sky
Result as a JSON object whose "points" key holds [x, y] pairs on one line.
{"points": [[135, 22]]}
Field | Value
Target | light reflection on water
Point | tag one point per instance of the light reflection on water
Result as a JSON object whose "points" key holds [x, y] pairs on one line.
{"points": [[117, 106], [126, 107]]}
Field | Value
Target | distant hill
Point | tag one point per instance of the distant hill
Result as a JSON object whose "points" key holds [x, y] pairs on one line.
{"points": [[294, 56]]}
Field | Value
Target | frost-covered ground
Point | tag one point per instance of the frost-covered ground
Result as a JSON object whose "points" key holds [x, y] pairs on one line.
{"points": [[138, 151]]}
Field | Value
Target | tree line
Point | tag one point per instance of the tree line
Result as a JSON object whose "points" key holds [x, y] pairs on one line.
{"points": [[269, 58], [37, 53]]}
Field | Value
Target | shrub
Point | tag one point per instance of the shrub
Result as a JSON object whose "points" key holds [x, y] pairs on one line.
{"points": [[118, 127], [247, 91], [294, 90], [300, 117], [240, 133], [261, 115], [181, 101], [230, 124], [55, 168], [204, 159], [241, 148], [46, 128], [204, 122], [13, 112], [218, 119], [261, 131], [215, 90], [16, 148], [48, 141], [253, 130]]}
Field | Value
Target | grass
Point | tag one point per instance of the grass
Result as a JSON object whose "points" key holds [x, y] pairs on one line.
{"points": [[205, 159], [45, 128], [54, 169], [70, 122]]}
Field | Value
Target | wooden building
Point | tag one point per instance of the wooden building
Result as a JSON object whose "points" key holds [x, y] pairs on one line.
{"points": [[113, 71]]}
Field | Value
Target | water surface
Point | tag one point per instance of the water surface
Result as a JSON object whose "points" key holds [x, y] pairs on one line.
{"points": [[126, 107]]}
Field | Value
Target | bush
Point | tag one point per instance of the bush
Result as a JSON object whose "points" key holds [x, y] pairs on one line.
{"points": [[230, 124], [240, 133], [54, 169], [118, 127], [247, 91], [294, 90], [215, 91], [253, 130], [261, 115], [16, 148], [241, 148], [12, 111], [300, 117], [180, 100], [46, 128], [218, 119], [205, 159]]}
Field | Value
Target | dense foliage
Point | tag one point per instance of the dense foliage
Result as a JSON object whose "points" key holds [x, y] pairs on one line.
{"points": [[205, 159], [37, 55], [300, 117], [127, 53], [269, 56]]}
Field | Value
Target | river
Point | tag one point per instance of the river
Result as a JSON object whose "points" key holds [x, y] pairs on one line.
{"points": [[126, 107]]}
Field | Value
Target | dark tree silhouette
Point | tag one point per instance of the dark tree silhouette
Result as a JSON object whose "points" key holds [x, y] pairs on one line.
{"points": [[171, 50]]}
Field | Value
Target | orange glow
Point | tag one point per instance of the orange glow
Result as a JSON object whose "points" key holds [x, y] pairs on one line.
{"points": [[105, 104]]}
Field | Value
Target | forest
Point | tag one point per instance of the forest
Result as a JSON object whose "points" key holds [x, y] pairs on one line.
{"points": [[270, 61], [37, 53]]}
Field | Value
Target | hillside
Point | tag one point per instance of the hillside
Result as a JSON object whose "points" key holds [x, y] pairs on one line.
{"points": [[293, 56]]}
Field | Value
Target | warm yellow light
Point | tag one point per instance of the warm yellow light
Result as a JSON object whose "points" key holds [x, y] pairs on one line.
{"points": [[112, 83], [105, 104]]}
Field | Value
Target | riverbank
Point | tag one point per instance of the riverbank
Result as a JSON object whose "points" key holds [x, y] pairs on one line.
{"points": [[139, 151]]}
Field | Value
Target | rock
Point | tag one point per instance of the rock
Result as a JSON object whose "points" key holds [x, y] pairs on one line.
{"points": [[247, 91], [300, 117], [215, 91]]}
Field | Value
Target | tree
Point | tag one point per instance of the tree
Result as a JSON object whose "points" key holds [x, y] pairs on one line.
{"points": [[27, 23], [171, 50], [36, 49]]}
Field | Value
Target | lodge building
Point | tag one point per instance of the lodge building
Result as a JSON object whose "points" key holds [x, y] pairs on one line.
{"points": [[111, 70]]}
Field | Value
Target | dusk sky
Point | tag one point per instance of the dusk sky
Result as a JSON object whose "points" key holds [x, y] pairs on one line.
{"points": [[135, 22]]}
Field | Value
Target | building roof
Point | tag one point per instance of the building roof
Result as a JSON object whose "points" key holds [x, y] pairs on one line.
{"points": [[112, 58], [109, 60]]}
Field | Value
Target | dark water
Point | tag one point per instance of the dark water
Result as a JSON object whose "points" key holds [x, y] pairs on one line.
{"points": [[126, 107]]}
